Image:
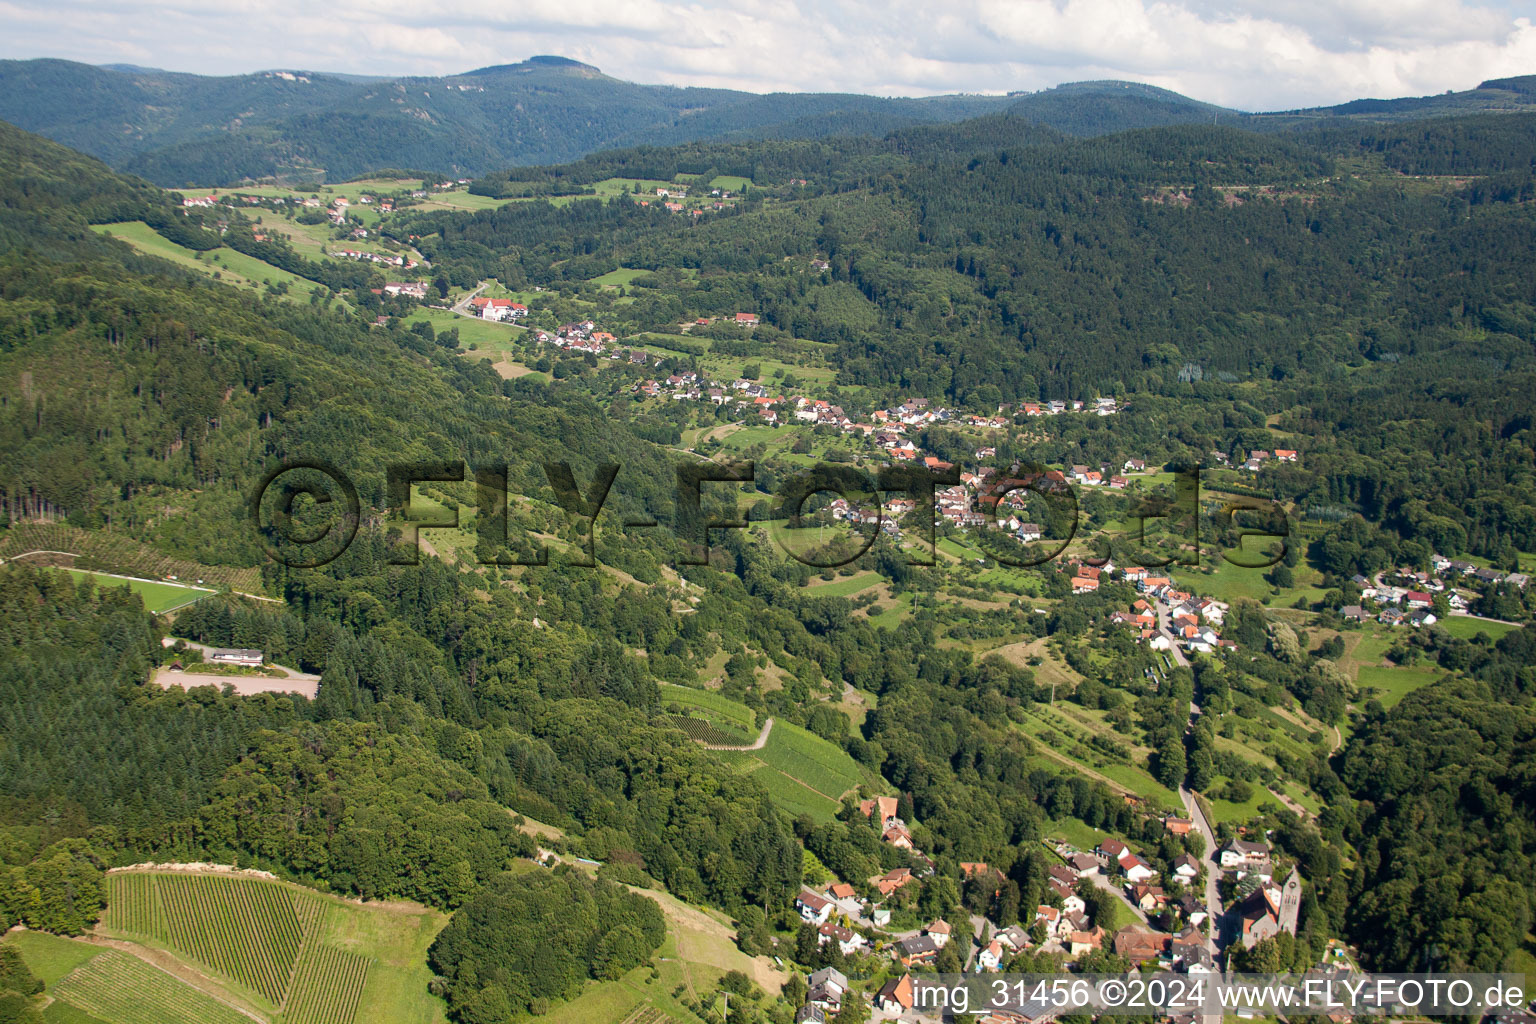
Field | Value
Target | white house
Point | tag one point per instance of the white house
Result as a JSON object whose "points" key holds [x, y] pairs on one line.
{"points": [[813, 908], [227, 656]]}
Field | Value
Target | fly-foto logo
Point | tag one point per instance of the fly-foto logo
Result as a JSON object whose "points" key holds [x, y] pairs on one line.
{"points": [[308, 512]]}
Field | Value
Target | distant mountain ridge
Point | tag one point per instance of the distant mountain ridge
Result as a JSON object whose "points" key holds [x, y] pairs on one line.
{"points": [[181, 130]]}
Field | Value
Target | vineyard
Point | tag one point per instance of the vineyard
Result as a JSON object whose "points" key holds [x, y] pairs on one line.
{"points": [[701, 730], [646, 1014], [71, 547], [123, 989], [262, 935], [707, 717], [326, 987]]}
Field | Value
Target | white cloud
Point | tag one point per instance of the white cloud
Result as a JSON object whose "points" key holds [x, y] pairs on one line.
{"points": [[1244, 53]]}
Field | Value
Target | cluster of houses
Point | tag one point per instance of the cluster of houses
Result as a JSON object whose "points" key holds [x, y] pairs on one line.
{"points": [[584, 337], [1195, 621], [672, 197], [1262, 908], [374, 257], [1258, 458], [1472, 574], [1410, 598]]}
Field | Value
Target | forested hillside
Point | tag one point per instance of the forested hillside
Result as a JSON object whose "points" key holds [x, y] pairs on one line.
{"points": [[1356, 297], [181, 130]]}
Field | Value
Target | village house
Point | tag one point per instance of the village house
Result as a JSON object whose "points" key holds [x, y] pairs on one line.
{"points": [[938, 931], [813, 908], [991, 957], [1014, 938], [848, 941], [1081, 942], [919, 949], [236, 656], [895, 996], [1140, 946], [825, 988], [1242, 854]]}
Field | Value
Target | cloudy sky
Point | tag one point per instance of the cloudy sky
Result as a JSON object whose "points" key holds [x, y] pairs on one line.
{"points": [[1252, 54]]}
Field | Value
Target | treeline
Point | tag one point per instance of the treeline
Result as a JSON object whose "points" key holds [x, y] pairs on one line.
{"points": [[1447, 784]]}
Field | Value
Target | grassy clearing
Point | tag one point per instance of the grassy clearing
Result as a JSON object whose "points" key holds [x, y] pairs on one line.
{"points": [[233, 268], [1068, 748], [844, 586], [709, 703], [803, 773], [815, 762], [1228, 582], [1465, 627], [51, 957], [891, 611], [158, 597], [1392, 684], [697, 951], [457, 200], [618, 278]]}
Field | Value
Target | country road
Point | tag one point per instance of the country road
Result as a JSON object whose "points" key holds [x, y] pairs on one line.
{"points": [[1198, 821], [463, 304]]}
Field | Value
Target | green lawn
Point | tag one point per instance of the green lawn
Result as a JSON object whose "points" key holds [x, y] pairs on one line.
{"points": [[731, 182], [1228, 582], [158, 597], [491, 336], [1465, 627]]}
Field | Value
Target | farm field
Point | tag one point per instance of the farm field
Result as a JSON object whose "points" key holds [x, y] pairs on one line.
{"points": [[296, 955], [233, 267], [51, 957], [618, 278], [158, 597], [802, 772], [709, 717]]}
